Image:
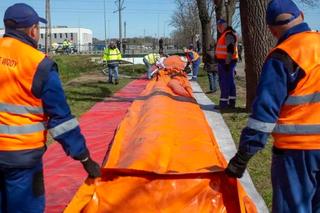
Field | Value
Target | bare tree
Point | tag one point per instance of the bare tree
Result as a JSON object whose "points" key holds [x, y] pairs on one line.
{"points": [[310, 2], [225, 9], [186, 21], [257, 42], [205, 9]]}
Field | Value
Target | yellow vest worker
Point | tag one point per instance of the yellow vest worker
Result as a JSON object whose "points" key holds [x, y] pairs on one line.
{"points": [[149, 61], [32, 102], [152, 58], [112, 56]]}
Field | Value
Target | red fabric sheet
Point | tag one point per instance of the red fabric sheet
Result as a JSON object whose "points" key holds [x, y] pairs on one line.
{"points": [[63, 176]]}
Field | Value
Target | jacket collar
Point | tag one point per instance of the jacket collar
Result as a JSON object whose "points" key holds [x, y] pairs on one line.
{"points": [[303, 27], [12, 33]]}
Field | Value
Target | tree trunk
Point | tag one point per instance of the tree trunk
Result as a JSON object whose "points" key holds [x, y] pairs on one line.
{"points": [[205, 27], [230, 9], [224, 11], [257, 42]]}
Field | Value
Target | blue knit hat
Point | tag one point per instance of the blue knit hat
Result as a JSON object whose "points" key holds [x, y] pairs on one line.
{"points": [[277, 7], [221, 21]]}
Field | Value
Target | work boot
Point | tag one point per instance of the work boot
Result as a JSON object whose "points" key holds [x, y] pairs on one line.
{"points": [[110, 81], [116, 82]]}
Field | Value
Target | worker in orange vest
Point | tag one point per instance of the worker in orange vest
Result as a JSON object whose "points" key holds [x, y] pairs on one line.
{"points": [[193, 58], [227, 56], [287, 106], [32, 102]]}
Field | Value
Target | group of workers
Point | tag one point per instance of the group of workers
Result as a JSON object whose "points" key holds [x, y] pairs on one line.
{"points": [[112, 57], [32, 102], [221, 60]]}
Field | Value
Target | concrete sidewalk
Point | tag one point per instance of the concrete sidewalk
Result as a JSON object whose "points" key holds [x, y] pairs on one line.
{"points": [[225, 141]]}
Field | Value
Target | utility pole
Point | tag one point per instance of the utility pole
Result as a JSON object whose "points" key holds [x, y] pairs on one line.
{"points": [[105, 23], [119, 10], [158, 26], [48, 40], [125, 30]]}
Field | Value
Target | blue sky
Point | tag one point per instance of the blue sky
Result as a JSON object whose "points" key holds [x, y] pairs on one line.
{"points": [[143, 17]]}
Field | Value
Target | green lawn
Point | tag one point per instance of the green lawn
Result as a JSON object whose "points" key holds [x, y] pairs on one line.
{"points": [[73, 66], [84, 84], [259, 166], [92, 88]]}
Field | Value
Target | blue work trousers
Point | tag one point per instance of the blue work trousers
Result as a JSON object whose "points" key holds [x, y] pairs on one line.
{"points": [[195, 69], [227, 85], [295, 181], [22, 190], [213, 81], [113, 71], [148, 68]]}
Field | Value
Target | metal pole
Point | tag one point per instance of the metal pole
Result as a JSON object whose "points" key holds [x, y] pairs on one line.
{"points": [[105, 23], [120, 25], [48, 38], [79, 41], [125, 30], [46, 29], [49, 26], [158, 27]]}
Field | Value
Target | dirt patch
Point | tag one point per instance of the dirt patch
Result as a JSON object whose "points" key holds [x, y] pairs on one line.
{"points": [[89, 77]]}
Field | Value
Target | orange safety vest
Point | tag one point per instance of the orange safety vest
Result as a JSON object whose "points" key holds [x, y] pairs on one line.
{"points": [[221, 48], [298, 126], [22, 120], [195, 55]]}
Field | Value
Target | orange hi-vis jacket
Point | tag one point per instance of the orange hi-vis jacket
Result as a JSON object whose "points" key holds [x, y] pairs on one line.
{"points": [[22, 120], [221, 48], [298, 126], [195, 55]]}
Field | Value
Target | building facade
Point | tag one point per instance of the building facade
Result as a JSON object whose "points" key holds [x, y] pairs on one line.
{"points": [[80, 38]]}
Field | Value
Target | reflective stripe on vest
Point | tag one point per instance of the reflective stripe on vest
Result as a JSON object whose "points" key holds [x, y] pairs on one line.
{"points": [[64, 127], [297, 129], [22, 120], [298, 126], [152, 58], [304, 99], [221, 48], [15, 109], [260, 126], [23, 129]]}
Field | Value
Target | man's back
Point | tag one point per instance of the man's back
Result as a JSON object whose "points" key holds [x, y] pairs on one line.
{"points": [[210, 63]]}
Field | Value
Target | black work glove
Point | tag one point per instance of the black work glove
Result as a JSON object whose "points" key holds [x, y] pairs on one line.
{"points": [[238, 164], [91, 167]]}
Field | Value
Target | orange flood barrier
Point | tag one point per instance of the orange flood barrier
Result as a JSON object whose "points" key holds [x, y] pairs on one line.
{"points": [[164, 157]]}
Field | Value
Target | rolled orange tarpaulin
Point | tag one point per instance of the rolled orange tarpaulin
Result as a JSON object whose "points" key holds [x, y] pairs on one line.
{"points": [[164, 157]]}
